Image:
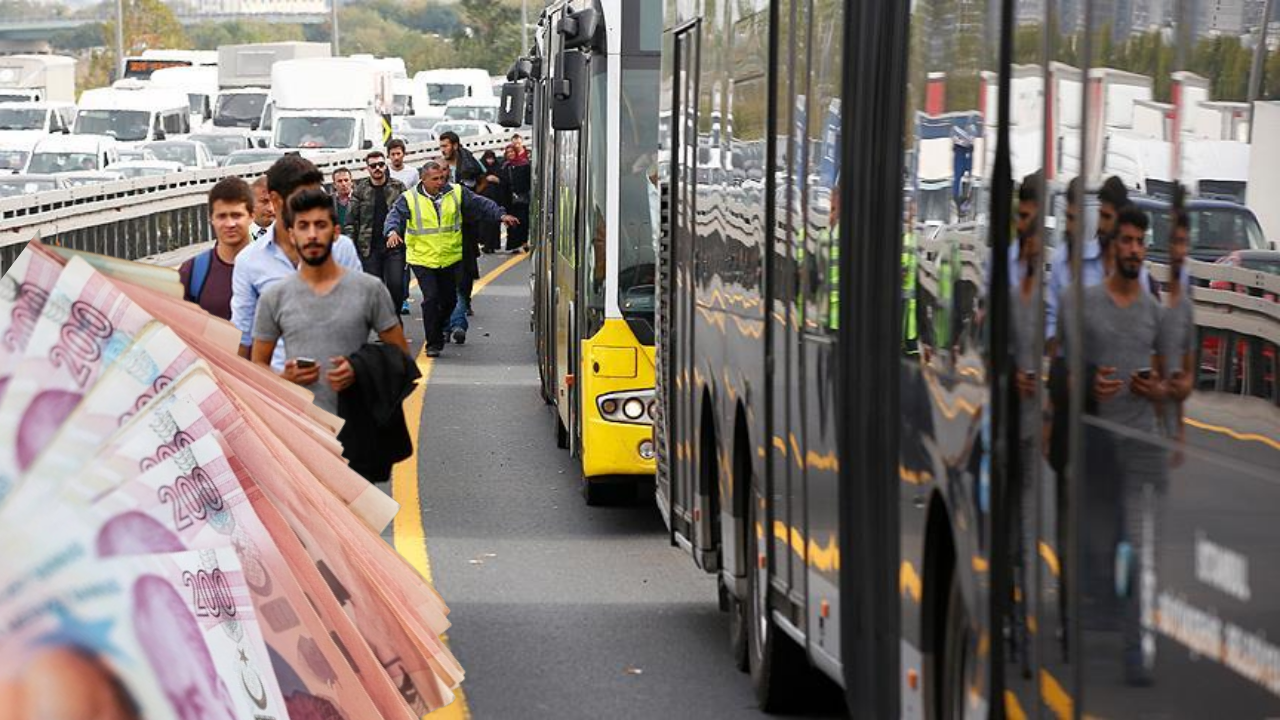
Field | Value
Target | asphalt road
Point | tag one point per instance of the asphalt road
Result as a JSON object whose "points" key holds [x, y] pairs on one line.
{"points": [[559, 610]]}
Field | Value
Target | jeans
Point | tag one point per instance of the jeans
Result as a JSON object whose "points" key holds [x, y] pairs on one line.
{"points": [[387, 264], [439, 294], [458, 320]]}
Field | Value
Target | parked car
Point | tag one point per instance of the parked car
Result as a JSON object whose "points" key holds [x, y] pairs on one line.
{"points": [[467, 128], [136, 153], [222, 144], [14, 185], [250, 157], [90, 177], [1218, 228], [148, 168], [191, 153], [72, 153]]}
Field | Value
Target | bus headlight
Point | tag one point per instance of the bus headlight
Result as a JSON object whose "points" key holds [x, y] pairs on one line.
{"points": [[633, 407]]}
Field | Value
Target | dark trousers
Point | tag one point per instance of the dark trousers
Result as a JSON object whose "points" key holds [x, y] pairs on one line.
{"points": [[388, 266], [518, 235], [439, 295]]}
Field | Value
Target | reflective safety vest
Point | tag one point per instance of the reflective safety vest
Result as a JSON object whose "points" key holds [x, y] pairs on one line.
{"points": [[432, 241], [909, 262]]}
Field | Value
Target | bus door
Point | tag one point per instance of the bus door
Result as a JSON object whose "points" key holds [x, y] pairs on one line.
{"points": [[786, 456], [818, 144], [542, 233], [683, 173]]}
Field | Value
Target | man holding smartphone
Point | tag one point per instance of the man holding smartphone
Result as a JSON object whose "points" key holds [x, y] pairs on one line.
{"points": [[325, 312], [1124, 340]]}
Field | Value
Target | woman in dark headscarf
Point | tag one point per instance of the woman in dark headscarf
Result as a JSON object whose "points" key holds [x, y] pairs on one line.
{"points": [[518, 178], [496, 190]]}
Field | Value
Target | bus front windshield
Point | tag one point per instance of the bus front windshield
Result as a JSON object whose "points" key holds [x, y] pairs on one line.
{"points": [[639, 201]]}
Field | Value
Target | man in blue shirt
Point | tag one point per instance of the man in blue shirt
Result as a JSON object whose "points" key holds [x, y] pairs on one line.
{"points": [[270, 260]]}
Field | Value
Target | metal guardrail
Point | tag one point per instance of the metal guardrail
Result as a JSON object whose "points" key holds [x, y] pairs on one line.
{"points": [[141, 217]]}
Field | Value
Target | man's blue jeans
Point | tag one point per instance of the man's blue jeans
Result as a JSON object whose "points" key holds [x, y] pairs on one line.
{"points": [[458, 321]]}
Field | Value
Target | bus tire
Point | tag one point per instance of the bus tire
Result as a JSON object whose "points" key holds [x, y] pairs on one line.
{"points": [[957, 654], [594, 492], [776, 662]]}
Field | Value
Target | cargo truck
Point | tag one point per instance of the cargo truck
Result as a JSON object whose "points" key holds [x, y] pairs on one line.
{"points": [[37, 78], [346, 111], [244, 80]]}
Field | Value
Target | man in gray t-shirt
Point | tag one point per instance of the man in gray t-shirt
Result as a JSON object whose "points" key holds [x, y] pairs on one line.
{"points": [[325, 312]]}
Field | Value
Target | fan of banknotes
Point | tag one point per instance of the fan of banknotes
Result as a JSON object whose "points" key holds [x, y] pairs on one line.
{"points": [[179, 534]]}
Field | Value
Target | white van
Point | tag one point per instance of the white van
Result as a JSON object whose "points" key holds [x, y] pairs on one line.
{"points": [[37, 117], [441, 86], [484, 109], [132, 112], [199, 83], [72, 153]]}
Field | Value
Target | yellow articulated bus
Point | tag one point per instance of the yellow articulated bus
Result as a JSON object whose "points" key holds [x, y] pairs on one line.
{"points": [[592, 82]]}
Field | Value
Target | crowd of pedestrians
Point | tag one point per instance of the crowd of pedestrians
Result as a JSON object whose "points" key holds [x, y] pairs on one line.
{"points": [[317, 281]]}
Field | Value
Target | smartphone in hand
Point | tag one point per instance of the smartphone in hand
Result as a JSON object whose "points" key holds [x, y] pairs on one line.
{"points": [[305, 363]]}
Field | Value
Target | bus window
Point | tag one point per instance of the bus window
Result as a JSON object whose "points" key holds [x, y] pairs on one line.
{"points": [[639, 199]]}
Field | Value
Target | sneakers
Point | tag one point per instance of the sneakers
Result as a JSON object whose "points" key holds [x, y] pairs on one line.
{"points": [[433, 352], [460, 336]]}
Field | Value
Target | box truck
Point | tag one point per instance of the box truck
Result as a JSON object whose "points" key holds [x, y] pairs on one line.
{"points": [[326, 105], [37, 78]]}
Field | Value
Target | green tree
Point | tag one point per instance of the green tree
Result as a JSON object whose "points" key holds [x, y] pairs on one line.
{"points": [[211, 35], [1271, 77], [490, 35]]}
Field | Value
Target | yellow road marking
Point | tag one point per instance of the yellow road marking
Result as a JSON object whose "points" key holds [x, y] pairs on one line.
{"points": [[1248, 437], [410, 537]]}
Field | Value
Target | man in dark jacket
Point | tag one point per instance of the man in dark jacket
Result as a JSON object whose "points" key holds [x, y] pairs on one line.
{"points": [[371, 200], [467, 171]]}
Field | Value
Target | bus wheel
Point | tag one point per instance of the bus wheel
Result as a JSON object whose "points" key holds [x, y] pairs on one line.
{"points": [[776, 661], [957, 654]]}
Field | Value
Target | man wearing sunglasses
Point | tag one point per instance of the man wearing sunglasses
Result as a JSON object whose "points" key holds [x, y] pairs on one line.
{"points": [[383, 257]]}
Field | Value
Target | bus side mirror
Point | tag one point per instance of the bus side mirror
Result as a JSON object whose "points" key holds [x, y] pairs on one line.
{"points": [[521, 69], [512, 110], [580, 29], [569, 92]]}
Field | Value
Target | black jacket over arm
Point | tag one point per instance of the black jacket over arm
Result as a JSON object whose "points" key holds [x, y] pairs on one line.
{"points": [[375, 436]]}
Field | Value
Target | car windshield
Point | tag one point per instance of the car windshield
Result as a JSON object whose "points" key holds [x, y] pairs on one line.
{"points": [[14, 98], [463, 129], [43, 163], [309, 132], [10, 187], [249, 158], [420, 123], [184, 153], [126, 125], [143, 171], [13, 160], [484, 114], [21, 118], [1215, 231], [222, 145], [441, 93], [239, 109], [1266, 265]]}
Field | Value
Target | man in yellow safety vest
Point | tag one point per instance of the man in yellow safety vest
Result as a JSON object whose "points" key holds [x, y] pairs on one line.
{"points": [[428, 220]]}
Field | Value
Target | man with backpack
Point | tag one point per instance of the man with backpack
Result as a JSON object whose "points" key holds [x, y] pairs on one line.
{"points": [[206, 278]]}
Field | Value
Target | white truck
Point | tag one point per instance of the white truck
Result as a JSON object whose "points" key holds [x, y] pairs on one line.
{"points": [[445, 84], [1264, 172], [324, 105], [244, 79], [37, 78]]}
